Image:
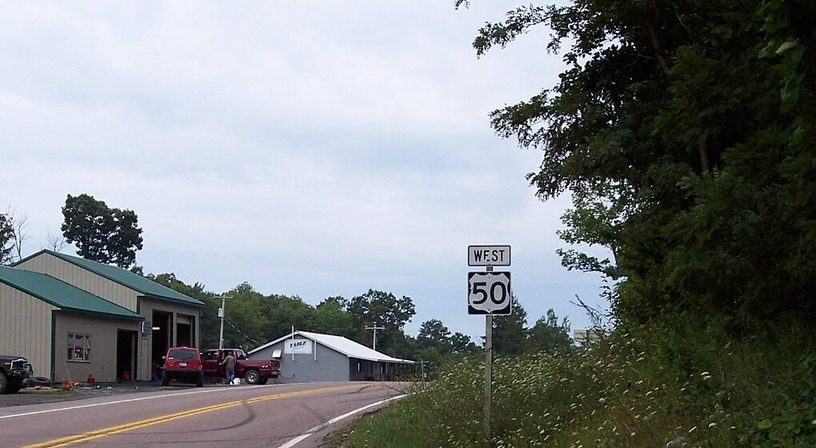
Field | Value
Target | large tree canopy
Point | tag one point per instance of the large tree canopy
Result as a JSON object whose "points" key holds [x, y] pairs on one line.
{"points": [[379, 308], [510, 331], [330, 317], [433, 333], [685, 133], [103, 234], [548, 335]]}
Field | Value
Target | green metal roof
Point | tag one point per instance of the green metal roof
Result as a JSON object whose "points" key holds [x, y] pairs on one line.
{"points": [[126, 278], [61, 294]]}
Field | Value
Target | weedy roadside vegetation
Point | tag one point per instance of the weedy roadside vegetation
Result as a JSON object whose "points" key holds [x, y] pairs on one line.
{"points": [[684, 385]]}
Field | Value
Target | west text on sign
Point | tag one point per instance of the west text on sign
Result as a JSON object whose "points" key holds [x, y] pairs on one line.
{"points": [[488, 255]]}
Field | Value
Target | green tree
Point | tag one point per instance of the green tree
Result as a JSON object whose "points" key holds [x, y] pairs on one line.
{"points": [[510, 332], [103, 234], [284, 313], [330, 317], [547, 335], [433, 333], [210, 322], [431, 360], [19, 231], [196, 290], [381, 309], [244, 318], [400, 345], [461, 343], [684, 132], [6, 240]]}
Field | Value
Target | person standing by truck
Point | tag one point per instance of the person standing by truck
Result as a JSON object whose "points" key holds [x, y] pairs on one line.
{"points": [[229, 364], [251, 371]]}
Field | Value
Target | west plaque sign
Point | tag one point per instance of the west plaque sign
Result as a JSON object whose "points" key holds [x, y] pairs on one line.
{"points": [[480, 255]]}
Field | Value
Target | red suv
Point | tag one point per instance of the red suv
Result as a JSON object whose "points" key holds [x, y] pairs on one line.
{"points": [[182, 364]]}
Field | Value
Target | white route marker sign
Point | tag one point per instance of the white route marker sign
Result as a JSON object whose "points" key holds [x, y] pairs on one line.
{"points": [[489, 293]]}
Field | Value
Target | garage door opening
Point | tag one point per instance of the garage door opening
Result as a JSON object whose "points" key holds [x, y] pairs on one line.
{"points": [[185, 334], [125, 355], [162, 335]]}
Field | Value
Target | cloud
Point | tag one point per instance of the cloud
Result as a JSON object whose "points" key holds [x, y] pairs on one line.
{"points": [[309, 148]]}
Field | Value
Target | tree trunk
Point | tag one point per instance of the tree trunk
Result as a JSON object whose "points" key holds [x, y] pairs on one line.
{"points": [[704, 163]]}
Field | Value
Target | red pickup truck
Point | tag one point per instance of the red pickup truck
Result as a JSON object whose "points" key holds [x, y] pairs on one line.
{"points": [[253, 371]]}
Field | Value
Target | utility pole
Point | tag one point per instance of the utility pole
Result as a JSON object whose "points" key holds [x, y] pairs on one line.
{"points": [[374, 340], [221, 315]]}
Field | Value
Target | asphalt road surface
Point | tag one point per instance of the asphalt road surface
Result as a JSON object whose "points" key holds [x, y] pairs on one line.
{"points": [[288, 416]]}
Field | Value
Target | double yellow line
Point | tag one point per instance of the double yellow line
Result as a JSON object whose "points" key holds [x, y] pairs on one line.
{"points": [[112, 430]]}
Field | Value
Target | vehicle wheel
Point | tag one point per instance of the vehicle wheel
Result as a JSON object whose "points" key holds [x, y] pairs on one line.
{"points": [[165, 380], [252, 377], [263, 380], [14, 388], [200, 380], [3, 383]]}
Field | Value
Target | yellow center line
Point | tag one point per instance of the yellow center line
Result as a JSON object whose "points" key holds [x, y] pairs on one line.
{"points": [[112, 430]]}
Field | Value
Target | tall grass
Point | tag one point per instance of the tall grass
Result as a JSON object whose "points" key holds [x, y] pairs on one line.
{"points": [[393, 427], [686, 385]]}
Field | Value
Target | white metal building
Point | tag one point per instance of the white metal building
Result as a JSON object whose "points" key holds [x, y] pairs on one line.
{"points": [[309, 357]]}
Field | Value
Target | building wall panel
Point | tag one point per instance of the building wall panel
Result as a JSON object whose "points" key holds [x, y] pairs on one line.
{"points": [[180, 313], [103, 332], [25, 328], [95, 284], [323, 364]]}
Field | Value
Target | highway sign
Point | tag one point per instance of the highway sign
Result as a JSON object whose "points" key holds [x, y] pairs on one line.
{"points": [[488, 255], [489, 293]]}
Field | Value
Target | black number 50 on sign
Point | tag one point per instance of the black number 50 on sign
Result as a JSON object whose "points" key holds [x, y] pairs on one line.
{"points": [[489, 293]]}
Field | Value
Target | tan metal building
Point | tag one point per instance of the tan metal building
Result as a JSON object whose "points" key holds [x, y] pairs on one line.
{"points": [[167, 317], [65, 332]]}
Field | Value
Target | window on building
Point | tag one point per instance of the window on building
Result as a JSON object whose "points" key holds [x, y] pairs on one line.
{"points": [[79, 347]]}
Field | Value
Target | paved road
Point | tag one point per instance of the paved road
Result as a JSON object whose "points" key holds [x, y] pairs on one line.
{"points": [[213, 416], [39, 396]]}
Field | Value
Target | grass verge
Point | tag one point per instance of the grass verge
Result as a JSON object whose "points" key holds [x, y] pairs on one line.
{"points": [[688, 385]]}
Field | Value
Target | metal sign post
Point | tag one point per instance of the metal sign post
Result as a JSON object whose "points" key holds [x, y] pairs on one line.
{"points": [[489, 294], [488, 393]]}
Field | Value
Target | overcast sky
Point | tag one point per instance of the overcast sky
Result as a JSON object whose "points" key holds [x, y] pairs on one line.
{"points": [[310, 148]]}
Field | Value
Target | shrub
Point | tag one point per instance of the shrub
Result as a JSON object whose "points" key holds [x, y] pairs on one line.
{"points": [[684, 384]]}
